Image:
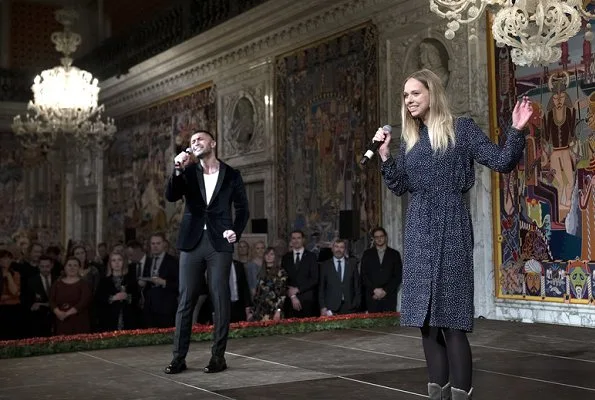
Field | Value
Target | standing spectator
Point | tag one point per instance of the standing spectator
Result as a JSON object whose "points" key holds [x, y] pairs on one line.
{"points": [[69, 300], [382, 272], [10, 298]]}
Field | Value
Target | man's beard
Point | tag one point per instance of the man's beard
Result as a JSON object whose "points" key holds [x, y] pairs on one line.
{"points": [[203, 154]]}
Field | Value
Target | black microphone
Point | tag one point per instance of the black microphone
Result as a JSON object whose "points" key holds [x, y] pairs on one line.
{"points": [[374, 146]]}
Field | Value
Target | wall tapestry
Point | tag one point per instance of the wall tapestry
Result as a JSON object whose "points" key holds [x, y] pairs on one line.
{"points": [[327, 111], [545, 208], [30, 196], [140, 160]]}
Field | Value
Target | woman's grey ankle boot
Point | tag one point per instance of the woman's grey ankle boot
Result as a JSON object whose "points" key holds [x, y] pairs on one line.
{"points": [[458, 394], [436, 392]]}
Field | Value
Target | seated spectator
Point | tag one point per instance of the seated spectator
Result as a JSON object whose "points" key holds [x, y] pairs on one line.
{"points": [[271, 289], [69, 300]]}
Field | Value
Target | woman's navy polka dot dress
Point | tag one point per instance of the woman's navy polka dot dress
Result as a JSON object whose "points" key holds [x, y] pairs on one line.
{"points": [[438, 248]]}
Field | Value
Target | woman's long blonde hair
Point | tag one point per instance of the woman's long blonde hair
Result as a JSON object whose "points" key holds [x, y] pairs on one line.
{"points": [[440, 119]]}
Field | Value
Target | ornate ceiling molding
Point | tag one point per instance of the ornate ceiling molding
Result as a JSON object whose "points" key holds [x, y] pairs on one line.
{"points": [[224, 48]]}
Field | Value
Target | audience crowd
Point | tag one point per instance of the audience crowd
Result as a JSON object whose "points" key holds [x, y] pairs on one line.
{"points": [[135, 285]]}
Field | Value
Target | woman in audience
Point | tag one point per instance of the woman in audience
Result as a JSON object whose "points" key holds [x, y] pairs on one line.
{"points": [[115, 295], [271, 288], [253, 267], [89, 271], [69, 300], [243, 252], [10, 298]]}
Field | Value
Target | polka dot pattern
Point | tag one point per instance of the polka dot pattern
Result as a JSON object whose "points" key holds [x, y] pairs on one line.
{"points": [[438, 246]]}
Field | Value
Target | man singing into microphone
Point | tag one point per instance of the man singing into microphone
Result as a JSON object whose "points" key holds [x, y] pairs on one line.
{"points": [[206, 237]]}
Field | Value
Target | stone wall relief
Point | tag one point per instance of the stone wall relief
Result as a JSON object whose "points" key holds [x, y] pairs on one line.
{"points": [[429, 49], [434, 56], [244, 121]]}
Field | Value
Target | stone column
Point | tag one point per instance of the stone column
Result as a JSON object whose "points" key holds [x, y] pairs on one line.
{"points": [[100, 184]]}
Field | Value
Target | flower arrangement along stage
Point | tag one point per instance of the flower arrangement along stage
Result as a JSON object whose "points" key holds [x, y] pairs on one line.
{"points": [[149, 337]]}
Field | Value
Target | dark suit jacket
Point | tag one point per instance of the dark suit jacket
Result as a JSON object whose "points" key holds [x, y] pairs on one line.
{"points": [[387, 275], [109, 313], [304, 276], [158, 299], [35, 291], [217, 215], [40, 321], [331, 288]]}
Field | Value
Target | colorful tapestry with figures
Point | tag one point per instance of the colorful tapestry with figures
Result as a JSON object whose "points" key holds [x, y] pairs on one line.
{"points": [[140, 159], [545, 219], [327, 111]]}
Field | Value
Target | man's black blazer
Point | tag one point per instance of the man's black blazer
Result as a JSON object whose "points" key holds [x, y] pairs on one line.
{"points": [[331, 289], [162, 300], [36, 292], [304, 276], [229, 190], [387, 275]]}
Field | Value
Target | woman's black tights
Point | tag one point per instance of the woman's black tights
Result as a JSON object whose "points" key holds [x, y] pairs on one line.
{"points": [[448, 354]]}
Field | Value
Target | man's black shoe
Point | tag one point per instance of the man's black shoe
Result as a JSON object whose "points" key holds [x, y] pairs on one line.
{"points": [[175, 367], [217, 364]]}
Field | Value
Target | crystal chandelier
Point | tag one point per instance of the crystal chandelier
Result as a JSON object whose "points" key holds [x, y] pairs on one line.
{"points": [[533, 29], [64, 107]]}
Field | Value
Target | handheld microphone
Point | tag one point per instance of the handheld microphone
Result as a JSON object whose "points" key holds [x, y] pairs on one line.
{"points": [[177, 166], [374, 146]]}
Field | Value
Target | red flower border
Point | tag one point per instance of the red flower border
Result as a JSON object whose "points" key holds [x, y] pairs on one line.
{"points": [[197, 329]]}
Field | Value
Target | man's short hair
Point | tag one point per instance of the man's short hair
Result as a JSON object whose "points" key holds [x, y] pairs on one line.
{"points": [[159, 235], [378, 229], [340, 240], [134, 244], [55, 250], [204, 131]]}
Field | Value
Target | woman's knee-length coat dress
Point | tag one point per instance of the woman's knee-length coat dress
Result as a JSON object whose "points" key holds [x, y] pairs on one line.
{"points": [[438, 248]]}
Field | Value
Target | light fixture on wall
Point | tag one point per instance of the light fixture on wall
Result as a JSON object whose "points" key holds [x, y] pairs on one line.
{"points": [[64, 108], [534, 29]]}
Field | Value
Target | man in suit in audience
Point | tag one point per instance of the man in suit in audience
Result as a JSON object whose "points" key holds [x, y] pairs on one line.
{"points": [[138, 261], [382, 272], [302, 279], [339, 290], [37, 299], [160, 286]]}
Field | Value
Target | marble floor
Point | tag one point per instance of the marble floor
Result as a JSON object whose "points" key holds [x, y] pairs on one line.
{"points": [[512, 361]]}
